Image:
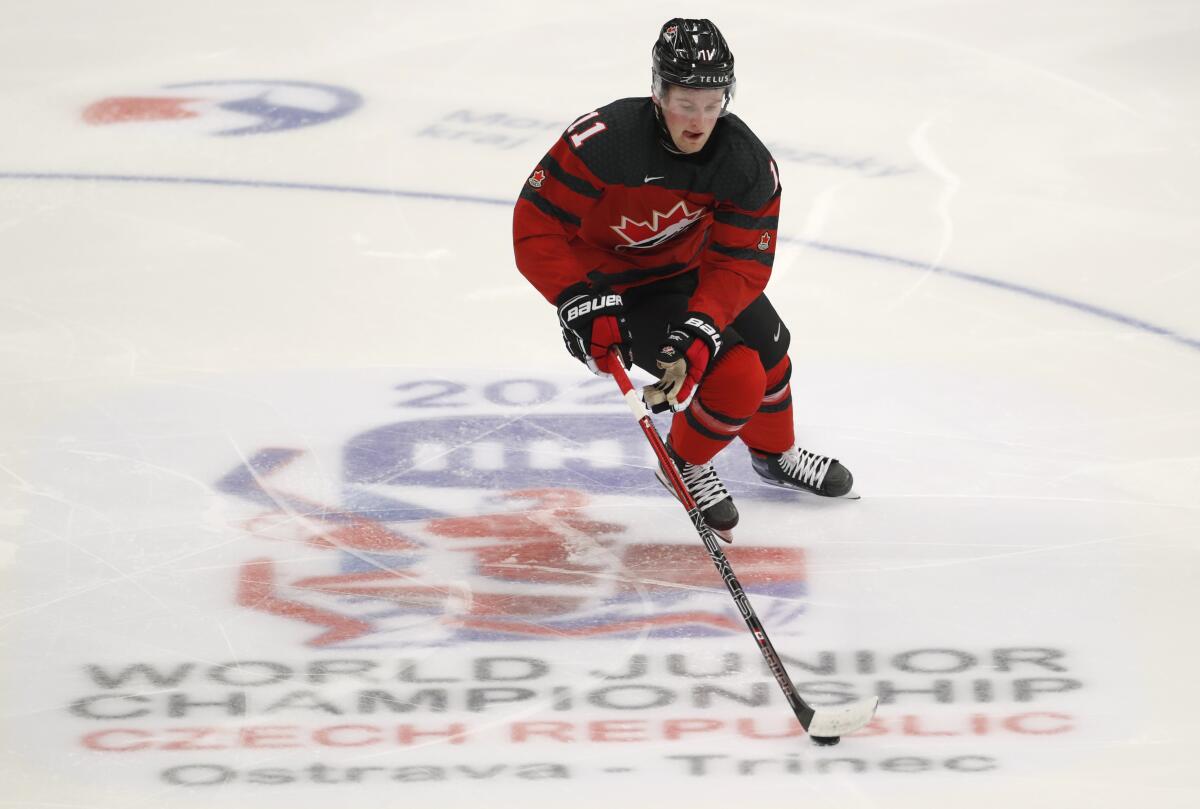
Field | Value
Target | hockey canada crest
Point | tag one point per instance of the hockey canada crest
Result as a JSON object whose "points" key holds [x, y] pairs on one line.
{"points": [[659, 227], [537, 178], [764, 241]]}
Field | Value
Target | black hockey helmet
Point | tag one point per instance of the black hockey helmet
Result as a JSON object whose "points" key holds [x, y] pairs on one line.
{"points": [[692, 53]]}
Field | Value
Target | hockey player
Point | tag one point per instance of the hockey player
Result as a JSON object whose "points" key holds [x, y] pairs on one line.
{"points": [[651, 225]]}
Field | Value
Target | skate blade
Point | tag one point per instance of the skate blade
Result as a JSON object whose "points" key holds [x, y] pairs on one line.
{"points": [[850, 495]]}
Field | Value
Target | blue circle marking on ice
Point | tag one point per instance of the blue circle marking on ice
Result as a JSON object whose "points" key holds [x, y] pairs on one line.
{"points": [[398, 193]]}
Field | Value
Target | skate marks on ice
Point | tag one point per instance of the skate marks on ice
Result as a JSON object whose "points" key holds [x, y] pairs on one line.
{"points": [[459, 572]]}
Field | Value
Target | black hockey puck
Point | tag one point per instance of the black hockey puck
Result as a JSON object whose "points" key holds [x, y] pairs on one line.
{"points": [[825, 741]]}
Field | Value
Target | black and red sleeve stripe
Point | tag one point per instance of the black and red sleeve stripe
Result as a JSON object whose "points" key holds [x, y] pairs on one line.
{"points": [[552, 205]]}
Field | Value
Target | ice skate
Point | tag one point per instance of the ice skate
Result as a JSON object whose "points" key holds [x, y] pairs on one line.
{"points": [[710, 494], [800, 469]]}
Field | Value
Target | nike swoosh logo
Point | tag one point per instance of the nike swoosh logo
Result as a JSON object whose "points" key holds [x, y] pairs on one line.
{"points": [[651, 179], [777, 331]]}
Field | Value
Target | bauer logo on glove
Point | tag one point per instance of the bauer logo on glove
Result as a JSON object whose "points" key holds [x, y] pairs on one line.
{"points": [[706, 327], [592, 322], [598, 304]]}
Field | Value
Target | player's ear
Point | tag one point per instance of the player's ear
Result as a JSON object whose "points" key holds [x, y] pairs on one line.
{"points": [[658, 91]]}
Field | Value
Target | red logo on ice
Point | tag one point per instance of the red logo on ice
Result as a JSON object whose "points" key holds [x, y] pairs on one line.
{"points": [[230, 107], [658, 227], [533, 565], [122, 110]]}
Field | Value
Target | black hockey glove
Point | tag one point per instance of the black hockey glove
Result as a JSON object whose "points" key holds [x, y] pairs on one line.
{"points": [[684, 357], [593, 321]]}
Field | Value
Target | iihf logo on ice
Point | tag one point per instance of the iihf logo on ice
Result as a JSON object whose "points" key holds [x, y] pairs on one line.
{"points": [[454, 529], [234, 107]]}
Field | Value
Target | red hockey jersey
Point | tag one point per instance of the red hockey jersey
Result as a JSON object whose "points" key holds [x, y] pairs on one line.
{"points": [[610, 204]]}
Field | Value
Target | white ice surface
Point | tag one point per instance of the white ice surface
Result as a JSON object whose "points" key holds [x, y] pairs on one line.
{"points": [[989, 266]]}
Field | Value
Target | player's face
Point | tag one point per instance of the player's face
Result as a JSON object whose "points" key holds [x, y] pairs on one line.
{"points": [[690, 116]]}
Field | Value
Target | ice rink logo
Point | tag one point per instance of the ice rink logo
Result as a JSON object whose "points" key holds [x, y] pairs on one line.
{"points": [[454, 530], [230, 108]]}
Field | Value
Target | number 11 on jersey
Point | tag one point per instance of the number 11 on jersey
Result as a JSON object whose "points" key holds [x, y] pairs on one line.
{"points": [[579, 137]]}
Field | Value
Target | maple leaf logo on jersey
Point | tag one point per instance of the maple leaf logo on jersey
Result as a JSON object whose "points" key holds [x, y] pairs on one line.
{"points": [[764, 243], [537, 178], [660, 227]]}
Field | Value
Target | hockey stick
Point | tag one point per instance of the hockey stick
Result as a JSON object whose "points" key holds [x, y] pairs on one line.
{"points": [[825, 726]]}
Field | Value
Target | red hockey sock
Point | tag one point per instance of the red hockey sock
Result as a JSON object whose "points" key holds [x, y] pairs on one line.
{"points": [[729, 394], [771, 429]]}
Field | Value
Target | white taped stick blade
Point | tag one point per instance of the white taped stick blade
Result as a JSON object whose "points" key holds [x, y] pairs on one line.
{"points": [[842, 721]]}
